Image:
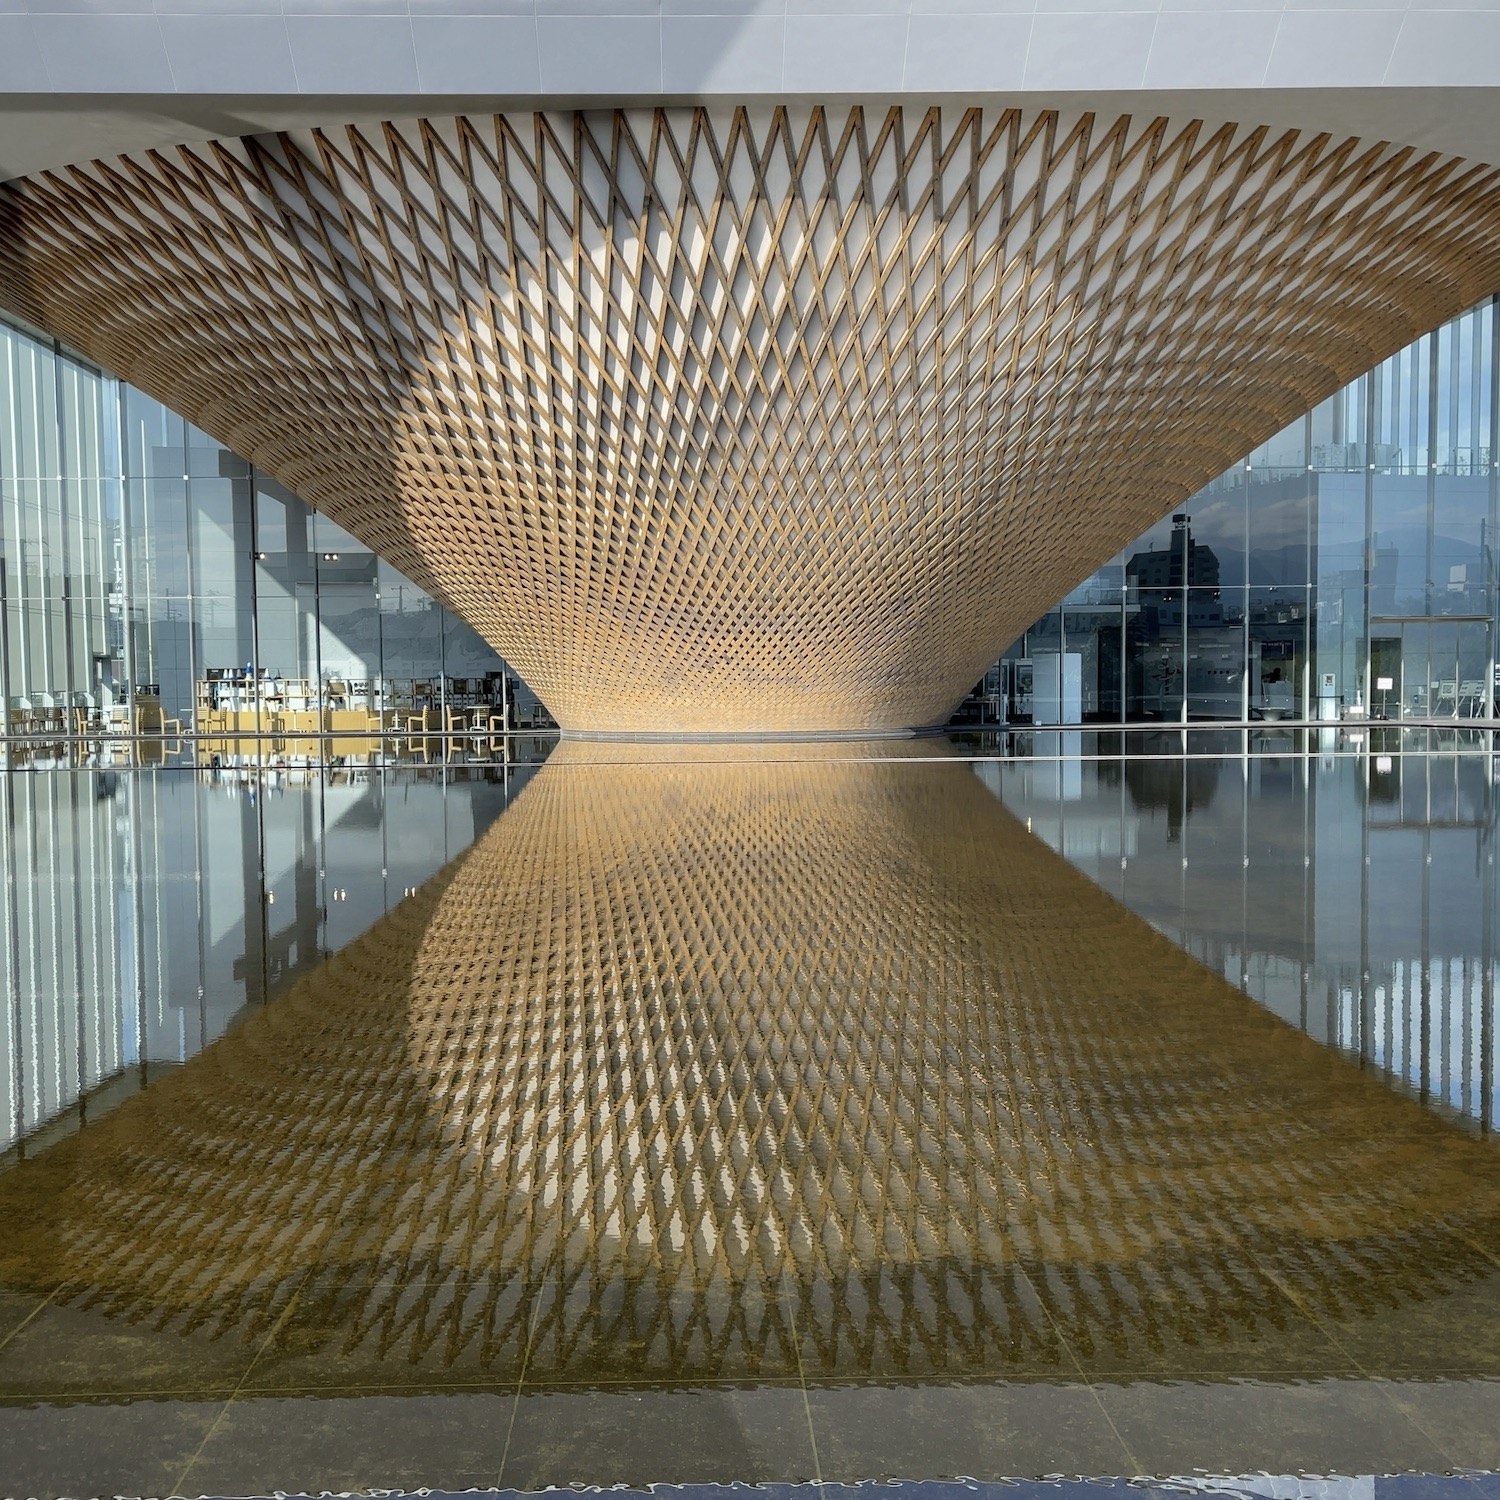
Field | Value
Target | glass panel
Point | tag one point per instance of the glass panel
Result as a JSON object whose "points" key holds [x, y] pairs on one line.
{"points": [[221, 537], [1401, 394], [1473, 669], [286, 608], [155, 438], [1279, 505], [1339, 604], [1443, 675], [1398, 556], [1287, 450], [1464, 393], [164, 654], [1386, 652], [209, 459], [1154, 670], [1463, 559], [1094, 632], [1216, 525], [1337, 670], [1215, 654], [1102, 588], [1338, 531], [1277, 621], [158, 530], [349, 633], [411, 632], [1338, 431]]}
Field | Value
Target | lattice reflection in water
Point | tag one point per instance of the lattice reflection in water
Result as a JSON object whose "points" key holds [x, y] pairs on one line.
{"points": [[711, 1068]]}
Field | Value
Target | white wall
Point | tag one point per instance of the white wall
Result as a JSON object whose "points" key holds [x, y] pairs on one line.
{"points": [[1382, 70]]}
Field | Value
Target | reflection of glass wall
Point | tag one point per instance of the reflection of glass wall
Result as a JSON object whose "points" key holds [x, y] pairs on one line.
{"points": [[1352, 895], [1355, 548], [141, 561], [146, 909]]}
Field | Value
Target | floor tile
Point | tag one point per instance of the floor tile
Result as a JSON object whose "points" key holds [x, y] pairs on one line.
{"points": [[1294, 1347], [131, 1448], [15, 1309], [982, 1430], [1328, 1425], [1461, 1416], [899, 1323], [72, 1350], [638, 1331], [1426, 1328], [700, 1434], [1167, 1320], [312, 1443]]}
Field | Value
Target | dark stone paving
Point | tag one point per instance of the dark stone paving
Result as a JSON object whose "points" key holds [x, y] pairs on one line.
{"points": [[1472, 1485]]}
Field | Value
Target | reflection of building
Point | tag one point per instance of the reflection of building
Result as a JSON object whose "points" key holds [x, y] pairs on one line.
{"points": [[138, 922], [1324, 552], [1177, 586], [1180, 788], [1355, 898], [1161, 574], [697, 1068]]}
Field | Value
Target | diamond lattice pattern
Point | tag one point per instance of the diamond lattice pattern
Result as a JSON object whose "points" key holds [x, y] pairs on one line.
{"points": [[739, 1069], [780, 419]]}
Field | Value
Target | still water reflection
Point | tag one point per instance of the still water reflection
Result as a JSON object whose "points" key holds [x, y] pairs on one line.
{"points": [[1353, 895], [773, 1115], [146, 907]]}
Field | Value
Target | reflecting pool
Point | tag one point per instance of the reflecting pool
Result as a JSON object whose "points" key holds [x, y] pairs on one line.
{"points": [[1067, 1104]]}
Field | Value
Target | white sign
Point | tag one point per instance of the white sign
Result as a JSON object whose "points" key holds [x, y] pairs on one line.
{"points": [[1384, 684]]}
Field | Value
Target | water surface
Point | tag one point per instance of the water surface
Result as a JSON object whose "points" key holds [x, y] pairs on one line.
{"points": [[774, 1113]]}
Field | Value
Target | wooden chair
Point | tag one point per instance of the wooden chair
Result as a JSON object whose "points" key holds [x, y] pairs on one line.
{"points": [[151, 718], [416, 721], [84, 714], [48, 715]]}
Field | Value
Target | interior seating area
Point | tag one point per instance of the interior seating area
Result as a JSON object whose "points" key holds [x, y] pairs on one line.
{"points": [[85, 715], [235, 701]]}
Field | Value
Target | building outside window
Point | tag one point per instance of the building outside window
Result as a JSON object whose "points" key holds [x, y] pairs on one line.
{"points": [[1346, 566]]}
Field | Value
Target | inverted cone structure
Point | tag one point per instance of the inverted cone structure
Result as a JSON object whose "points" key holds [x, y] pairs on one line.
{"points": [[750, 420]]}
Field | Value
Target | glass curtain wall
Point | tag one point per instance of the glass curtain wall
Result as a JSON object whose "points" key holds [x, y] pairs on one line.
{"points": [[1345, 567], [149, 574]]}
